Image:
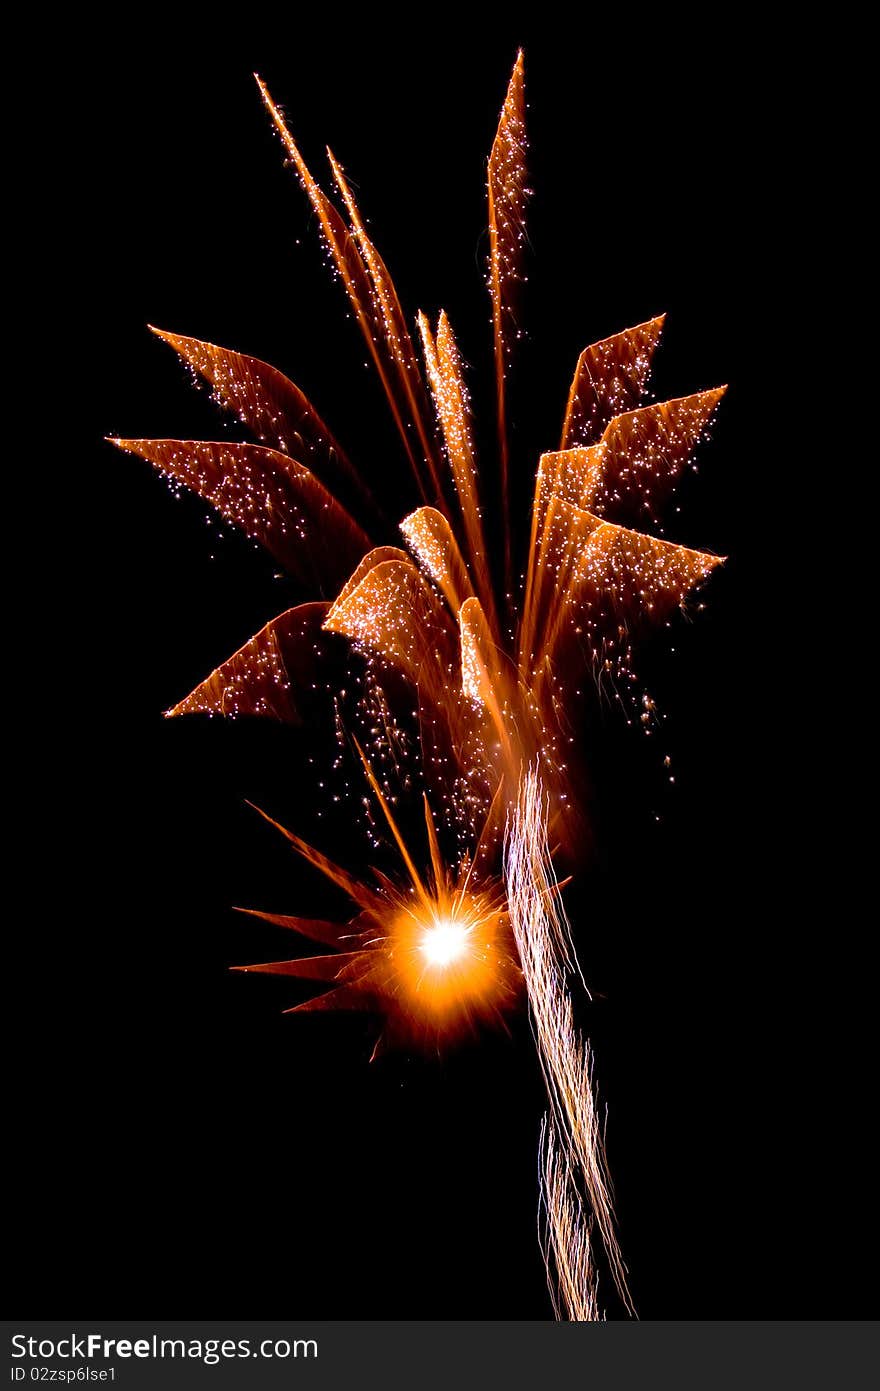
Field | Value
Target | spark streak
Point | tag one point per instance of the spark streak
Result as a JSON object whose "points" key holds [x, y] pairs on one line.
{"points": [[507, 195], [565, 1232]]}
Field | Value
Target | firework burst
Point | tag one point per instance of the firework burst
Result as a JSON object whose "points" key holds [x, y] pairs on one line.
{"points": [[471, 698]]}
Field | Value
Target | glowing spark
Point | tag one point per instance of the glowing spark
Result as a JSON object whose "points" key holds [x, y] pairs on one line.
{"points": [[444, 941]]}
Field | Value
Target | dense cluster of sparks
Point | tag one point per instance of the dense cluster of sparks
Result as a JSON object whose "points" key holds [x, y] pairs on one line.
{"points": [[452, 683]]}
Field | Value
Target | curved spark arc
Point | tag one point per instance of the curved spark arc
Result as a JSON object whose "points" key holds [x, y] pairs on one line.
{"points": [[448, 699], [507, 195]]}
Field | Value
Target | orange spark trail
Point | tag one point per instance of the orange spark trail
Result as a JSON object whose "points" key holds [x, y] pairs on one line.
{"points": [[375, 304], [507, 196], [450, 398], [276, 411], [270, 496]]}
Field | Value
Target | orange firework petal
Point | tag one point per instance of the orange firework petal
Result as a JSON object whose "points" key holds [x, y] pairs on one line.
{"points": [[636, 463], [639, 573], [624, 577], [271, 497], [480, 667], [264, 400], [609, 379], [453, 410], [263, 677], [638, 459], [393, 611], [434, 545], [377, 556], [507, 198]]}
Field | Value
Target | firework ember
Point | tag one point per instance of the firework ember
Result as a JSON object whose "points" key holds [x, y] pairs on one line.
{"points": [[459, 697]]}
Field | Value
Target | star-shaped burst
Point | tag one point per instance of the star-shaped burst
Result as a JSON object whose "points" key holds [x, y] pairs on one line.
{"points": [[432, 953]]}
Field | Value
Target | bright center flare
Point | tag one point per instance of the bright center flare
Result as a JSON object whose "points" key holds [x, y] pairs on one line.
{"points": [[444, 942]]}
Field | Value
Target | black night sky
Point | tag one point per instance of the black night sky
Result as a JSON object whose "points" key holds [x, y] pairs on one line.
{"points": [[212, 1156]]}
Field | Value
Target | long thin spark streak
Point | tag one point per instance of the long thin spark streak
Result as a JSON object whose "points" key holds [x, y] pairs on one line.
{"points": [[543, 939], [507, 197], [565, 1232]]}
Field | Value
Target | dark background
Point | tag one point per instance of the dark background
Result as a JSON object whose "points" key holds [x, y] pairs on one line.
{"points": [[185, 1149]]}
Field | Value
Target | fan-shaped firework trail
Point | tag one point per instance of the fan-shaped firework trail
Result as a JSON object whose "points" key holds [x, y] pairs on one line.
{"points": [[449, 693]]}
